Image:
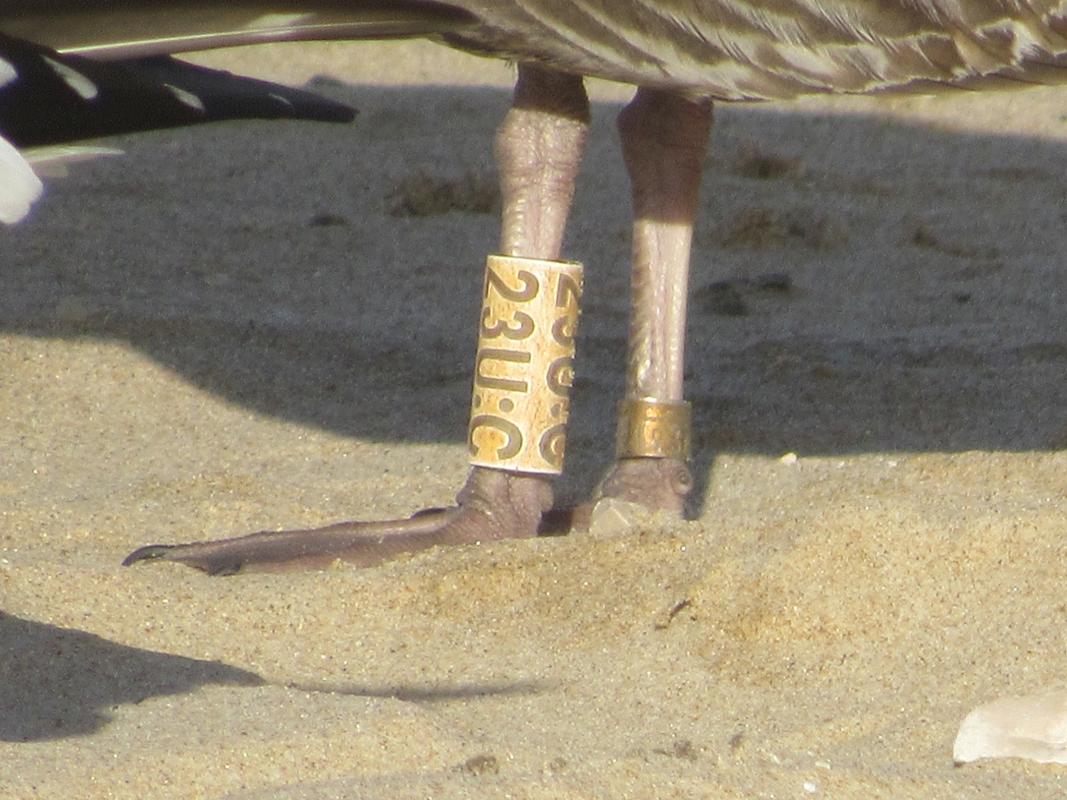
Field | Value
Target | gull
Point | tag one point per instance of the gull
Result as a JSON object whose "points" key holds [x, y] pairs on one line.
{"points": [[682, 56]]}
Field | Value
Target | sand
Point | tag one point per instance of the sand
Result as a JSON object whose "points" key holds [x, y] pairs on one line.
{"points": [[244, 326]]}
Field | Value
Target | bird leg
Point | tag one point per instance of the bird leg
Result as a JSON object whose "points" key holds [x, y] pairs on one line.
{"points": [[538, 148], [664, 139]]}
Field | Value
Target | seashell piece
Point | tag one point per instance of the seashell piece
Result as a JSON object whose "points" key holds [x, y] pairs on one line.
{"points": [[614, 516], [1032, 727]]}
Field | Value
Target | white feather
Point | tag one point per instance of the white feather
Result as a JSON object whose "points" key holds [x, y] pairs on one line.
{"points": [[7, 72], [19, 186]]}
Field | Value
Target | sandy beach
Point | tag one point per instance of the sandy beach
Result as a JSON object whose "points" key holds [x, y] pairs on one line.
{"points": [[257, 325]]}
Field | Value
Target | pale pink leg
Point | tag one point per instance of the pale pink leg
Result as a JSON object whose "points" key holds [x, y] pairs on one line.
{"points": [[539, 147], [664, 138]]}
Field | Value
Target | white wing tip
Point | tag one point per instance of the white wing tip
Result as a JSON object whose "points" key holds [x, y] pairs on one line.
{"points": [[19, 186]]}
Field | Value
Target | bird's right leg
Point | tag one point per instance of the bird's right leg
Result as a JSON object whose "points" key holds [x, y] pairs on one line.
{"points": [[539, 147], [664, 138]]}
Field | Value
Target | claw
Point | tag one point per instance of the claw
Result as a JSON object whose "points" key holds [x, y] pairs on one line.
{"points": [[169, 552], [147, 553]]}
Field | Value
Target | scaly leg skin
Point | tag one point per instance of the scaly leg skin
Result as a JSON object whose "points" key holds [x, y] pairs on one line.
{"points": [[664, 139], [539, 148]]}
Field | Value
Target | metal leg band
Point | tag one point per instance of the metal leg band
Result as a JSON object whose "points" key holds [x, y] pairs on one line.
{"points": [[652, 429], [524, 367]]}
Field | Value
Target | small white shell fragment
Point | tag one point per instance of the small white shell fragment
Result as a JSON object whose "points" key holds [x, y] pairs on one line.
{"points": [[788, 458], [612, 515], [1032, 727]]}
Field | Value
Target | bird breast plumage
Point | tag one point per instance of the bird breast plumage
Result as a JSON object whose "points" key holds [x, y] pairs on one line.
{"points": [[765, 49]]}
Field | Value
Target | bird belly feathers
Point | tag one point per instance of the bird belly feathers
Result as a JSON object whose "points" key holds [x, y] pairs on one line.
{"points": [[765, 49]]}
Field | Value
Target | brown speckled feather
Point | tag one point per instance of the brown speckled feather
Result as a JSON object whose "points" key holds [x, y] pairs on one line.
{"points": [[748, 49], [728, 49]]}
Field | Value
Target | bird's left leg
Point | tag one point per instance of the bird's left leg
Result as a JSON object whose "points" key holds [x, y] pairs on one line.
{"points": [[539, 147]]}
